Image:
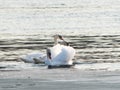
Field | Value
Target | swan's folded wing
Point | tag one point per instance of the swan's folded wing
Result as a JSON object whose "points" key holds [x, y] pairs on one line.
{"points": [[65, 56], [55, 50]]}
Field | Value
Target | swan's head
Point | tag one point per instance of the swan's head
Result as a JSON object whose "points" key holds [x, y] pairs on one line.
{"points": [[65, 42], [61, 38], [57, 36]]}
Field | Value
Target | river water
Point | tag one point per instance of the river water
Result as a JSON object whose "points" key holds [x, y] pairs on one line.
{"points": [[91, 27], [92, 51]]}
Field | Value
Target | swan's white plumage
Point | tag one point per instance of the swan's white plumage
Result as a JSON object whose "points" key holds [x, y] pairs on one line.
{"points": [[32, 57], [61, 55]]}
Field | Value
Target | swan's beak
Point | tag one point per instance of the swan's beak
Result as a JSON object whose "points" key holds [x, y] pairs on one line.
{"points": [[60, 37], [66, 43]]}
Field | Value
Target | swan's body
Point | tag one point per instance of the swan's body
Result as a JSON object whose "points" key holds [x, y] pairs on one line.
{"points": [[56, 55], [60, 55], [34, 58]]}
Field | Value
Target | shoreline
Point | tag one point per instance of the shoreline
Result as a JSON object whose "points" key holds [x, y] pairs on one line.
{"points": [[65, 79]]}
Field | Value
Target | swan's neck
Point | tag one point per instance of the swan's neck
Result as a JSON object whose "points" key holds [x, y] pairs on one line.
{"points": [[55, 41]]}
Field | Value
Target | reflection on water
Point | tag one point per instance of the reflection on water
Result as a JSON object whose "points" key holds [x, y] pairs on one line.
{"points": [[92, 49]]}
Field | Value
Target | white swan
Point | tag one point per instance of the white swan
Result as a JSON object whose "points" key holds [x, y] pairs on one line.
{"points": [[56, 55], [60, 54], [38, 57], [34, 58]]}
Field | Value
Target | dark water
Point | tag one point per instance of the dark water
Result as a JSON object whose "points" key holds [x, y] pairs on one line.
{"points": [[94, 49]]}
